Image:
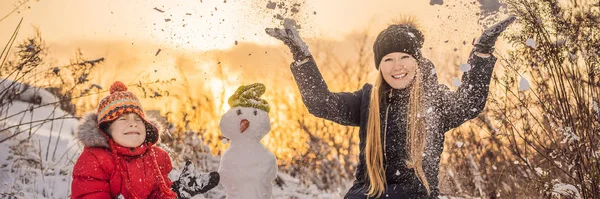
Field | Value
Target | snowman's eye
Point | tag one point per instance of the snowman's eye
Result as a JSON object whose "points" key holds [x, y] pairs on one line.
{"points": [[255, 112], [239, 111]]}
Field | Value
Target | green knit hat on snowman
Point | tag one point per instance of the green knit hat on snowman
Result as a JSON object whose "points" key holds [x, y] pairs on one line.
{"points": [[249, 96]]}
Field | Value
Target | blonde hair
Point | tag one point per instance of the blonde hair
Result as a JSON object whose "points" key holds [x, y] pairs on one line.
{"points": [[415, 138], [374, 153]]}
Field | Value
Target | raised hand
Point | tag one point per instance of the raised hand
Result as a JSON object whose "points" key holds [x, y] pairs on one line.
{"points": [[290, 37], [487, 40]]}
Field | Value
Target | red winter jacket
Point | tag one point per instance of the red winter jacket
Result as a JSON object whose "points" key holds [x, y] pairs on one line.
{"points": [[95, 175]]}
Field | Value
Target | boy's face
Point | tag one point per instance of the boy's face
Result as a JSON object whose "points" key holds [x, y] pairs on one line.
{"points": [[129, 130]]}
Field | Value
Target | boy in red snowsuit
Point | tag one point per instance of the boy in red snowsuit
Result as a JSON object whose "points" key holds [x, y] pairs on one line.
{"points": [[120, 159]]}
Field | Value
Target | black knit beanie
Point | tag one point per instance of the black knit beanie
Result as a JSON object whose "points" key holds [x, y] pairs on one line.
{"points": [[398, 38]]}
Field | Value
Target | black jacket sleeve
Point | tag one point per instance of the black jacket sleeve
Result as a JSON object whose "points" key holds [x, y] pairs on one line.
{"points": [[342, 107], [470, 97]]}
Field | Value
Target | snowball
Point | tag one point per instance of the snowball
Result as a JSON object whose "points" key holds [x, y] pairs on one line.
{"points": [[530, 42], [523, 84], [459, 144], [465, 67], [456, 82]]}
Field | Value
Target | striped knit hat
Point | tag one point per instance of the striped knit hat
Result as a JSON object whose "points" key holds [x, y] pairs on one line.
{"points": [[119, 102]]}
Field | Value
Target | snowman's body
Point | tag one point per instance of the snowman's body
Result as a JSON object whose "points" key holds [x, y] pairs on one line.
{"points": [[247, 167]]}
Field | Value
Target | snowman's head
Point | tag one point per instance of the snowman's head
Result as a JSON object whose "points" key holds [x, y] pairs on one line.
{"points": [[249, 116], [245, 123]]}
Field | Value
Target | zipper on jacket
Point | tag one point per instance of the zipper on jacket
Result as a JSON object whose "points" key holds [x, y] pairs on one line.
{"points": [[385, 130], [387, 109]]}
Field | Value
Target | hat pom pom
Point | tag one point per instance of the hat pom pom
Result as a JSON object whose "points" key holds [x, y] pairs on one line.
{"points": [[117, 87]]}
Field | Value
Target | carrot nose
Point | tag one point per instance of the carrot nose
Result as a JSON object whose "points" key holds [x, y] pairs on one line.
{"points": [[244, 124]]}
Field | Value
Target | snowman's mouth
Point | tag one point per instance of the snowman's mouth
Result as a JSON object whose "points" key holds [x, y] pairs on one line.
{"points": [[244, 124]]}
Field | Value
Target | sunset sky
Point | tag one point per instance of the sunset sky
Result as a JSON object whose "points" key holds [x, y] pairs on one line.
{"points": [[211, 24], [195, 35]]}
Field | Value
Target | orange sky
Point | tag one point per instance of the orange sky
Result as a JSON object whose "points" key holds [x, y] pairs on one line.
{"points": [[128, 33], [136, 20]]}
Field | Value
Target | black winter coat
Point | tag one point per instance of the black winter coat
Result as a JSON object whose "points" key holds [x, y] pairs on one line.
{"points": [[444, 110]]}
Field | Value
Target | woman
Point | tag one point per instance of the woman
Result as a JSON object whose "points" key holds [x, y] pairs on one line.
{"points": [[404, 115]]}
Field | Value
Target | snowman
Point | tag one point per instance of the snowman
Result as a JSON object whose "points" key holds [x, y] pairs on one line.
{"points": [[247, 167]]}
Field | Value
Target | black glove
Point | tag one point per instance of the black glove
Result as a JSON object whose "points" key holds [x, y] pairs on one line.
{"points": [[289, 36], [189, 184], [485, 43]]}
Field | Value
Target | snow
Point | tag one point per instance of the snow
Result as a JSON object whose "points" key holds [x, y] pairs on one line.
{"points": [[560, 42], [247, 167], [51, 126], [569, 136], [26, 93], [572, 57], [290, 34], [456, 82], [558, 164], [565, 190], [531, 43], [523, 84], [459, 144], [477, 177], [293, 189], [540, 171], [255, 102], [43, 162], [465, 67]]}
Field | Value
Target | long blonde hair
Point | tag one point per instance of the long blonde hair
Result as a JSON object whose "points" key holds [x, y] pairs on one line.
{"points": [[415, 138]]}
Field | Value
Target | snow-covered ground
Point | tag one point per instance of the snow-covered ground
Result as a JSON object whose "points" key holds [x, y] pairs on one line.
{"points": [[38, 167]]}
